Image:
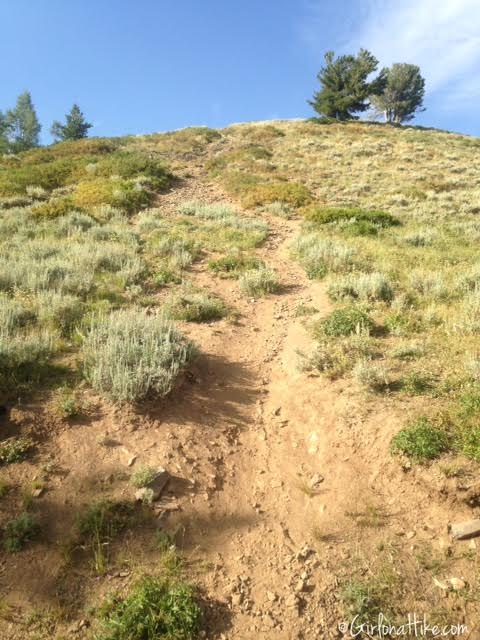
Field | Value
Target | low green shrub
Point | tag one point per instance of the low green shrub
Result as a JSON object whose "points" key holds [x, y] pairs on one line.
{"points": [[165, 274], [181, 252], [328, 215], [469, 441], [421, 441], [367, 597], [408, 351], [103, 519], [133, 163], [76, 148], [334, 356], [234, 264], [344, 322], [54, 208], [19, 531], [94, 192], [195, 307], [131, 196], [127, 195], [142, 476], [403, 323], [239, 183], [66, 404], [157, 608], [17, 175], [14, 449], [358, 227], [465, 417], [292, 193], [415, 383], [129, 354], [245, 156]]}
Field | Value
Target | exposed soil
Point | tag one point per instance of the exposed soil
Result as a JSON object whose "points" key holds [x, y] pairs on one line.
{"points": [[274, 467]]}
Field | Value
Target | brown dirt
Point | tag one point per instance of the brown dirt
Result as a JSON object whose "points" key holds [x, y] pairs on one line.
{"points": [[244, 435]]}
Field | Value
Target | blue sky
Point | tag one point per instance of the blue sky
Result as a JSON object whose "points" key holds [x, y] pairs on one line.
{"points": [[155, 65]]}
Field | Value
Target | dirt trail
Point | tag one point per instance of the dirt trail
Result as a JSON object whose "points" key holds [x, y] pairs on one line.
{"points": [[271, 433], [269, 429]]}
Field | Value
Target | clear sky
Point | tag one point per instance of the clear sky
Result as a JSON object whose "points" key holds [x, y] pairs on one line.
{"points": [[138, 66]]}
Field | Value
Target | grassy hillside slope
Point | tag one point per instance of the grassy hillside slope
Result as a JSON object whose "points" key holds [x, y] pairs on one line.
{"points": [[131, 268]]}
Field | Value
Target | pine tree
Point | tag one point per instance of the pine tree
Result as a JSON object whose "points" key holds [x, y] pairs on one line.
{"points": [[345, 86], [3, 134], [75, 127], [403, 94], [23, 127]]}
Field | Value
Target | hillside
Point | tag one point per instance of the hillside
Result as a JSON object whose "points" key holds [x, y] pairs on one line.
{"points": [[284, 316]]}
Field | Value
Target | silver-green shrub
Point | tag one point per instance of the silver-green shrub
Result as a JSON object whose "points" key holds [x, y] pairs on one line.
{"points": [[129, 354]]}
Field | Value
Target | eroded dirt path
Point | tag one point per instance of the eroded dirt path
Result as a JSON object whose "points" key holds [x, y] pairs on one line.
{"points": [[270, 454], [265, 422]]}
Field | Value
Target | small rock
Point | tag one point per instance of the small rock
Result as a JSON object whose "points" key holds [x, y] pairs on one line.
{"points": [[237, 599], [131, 461], [316, 480], [410, 535], [38, 492], [465, 530], [300, 586], [271, 596], [457, 584], [291, 601], [305, 552]]}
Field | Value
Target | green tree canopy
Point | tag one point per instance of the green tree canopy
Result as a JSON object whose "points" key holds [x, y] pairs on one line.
{"points": [[345, 85], [23, 127], [75, 127], [403, 93], [3, 134]]}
